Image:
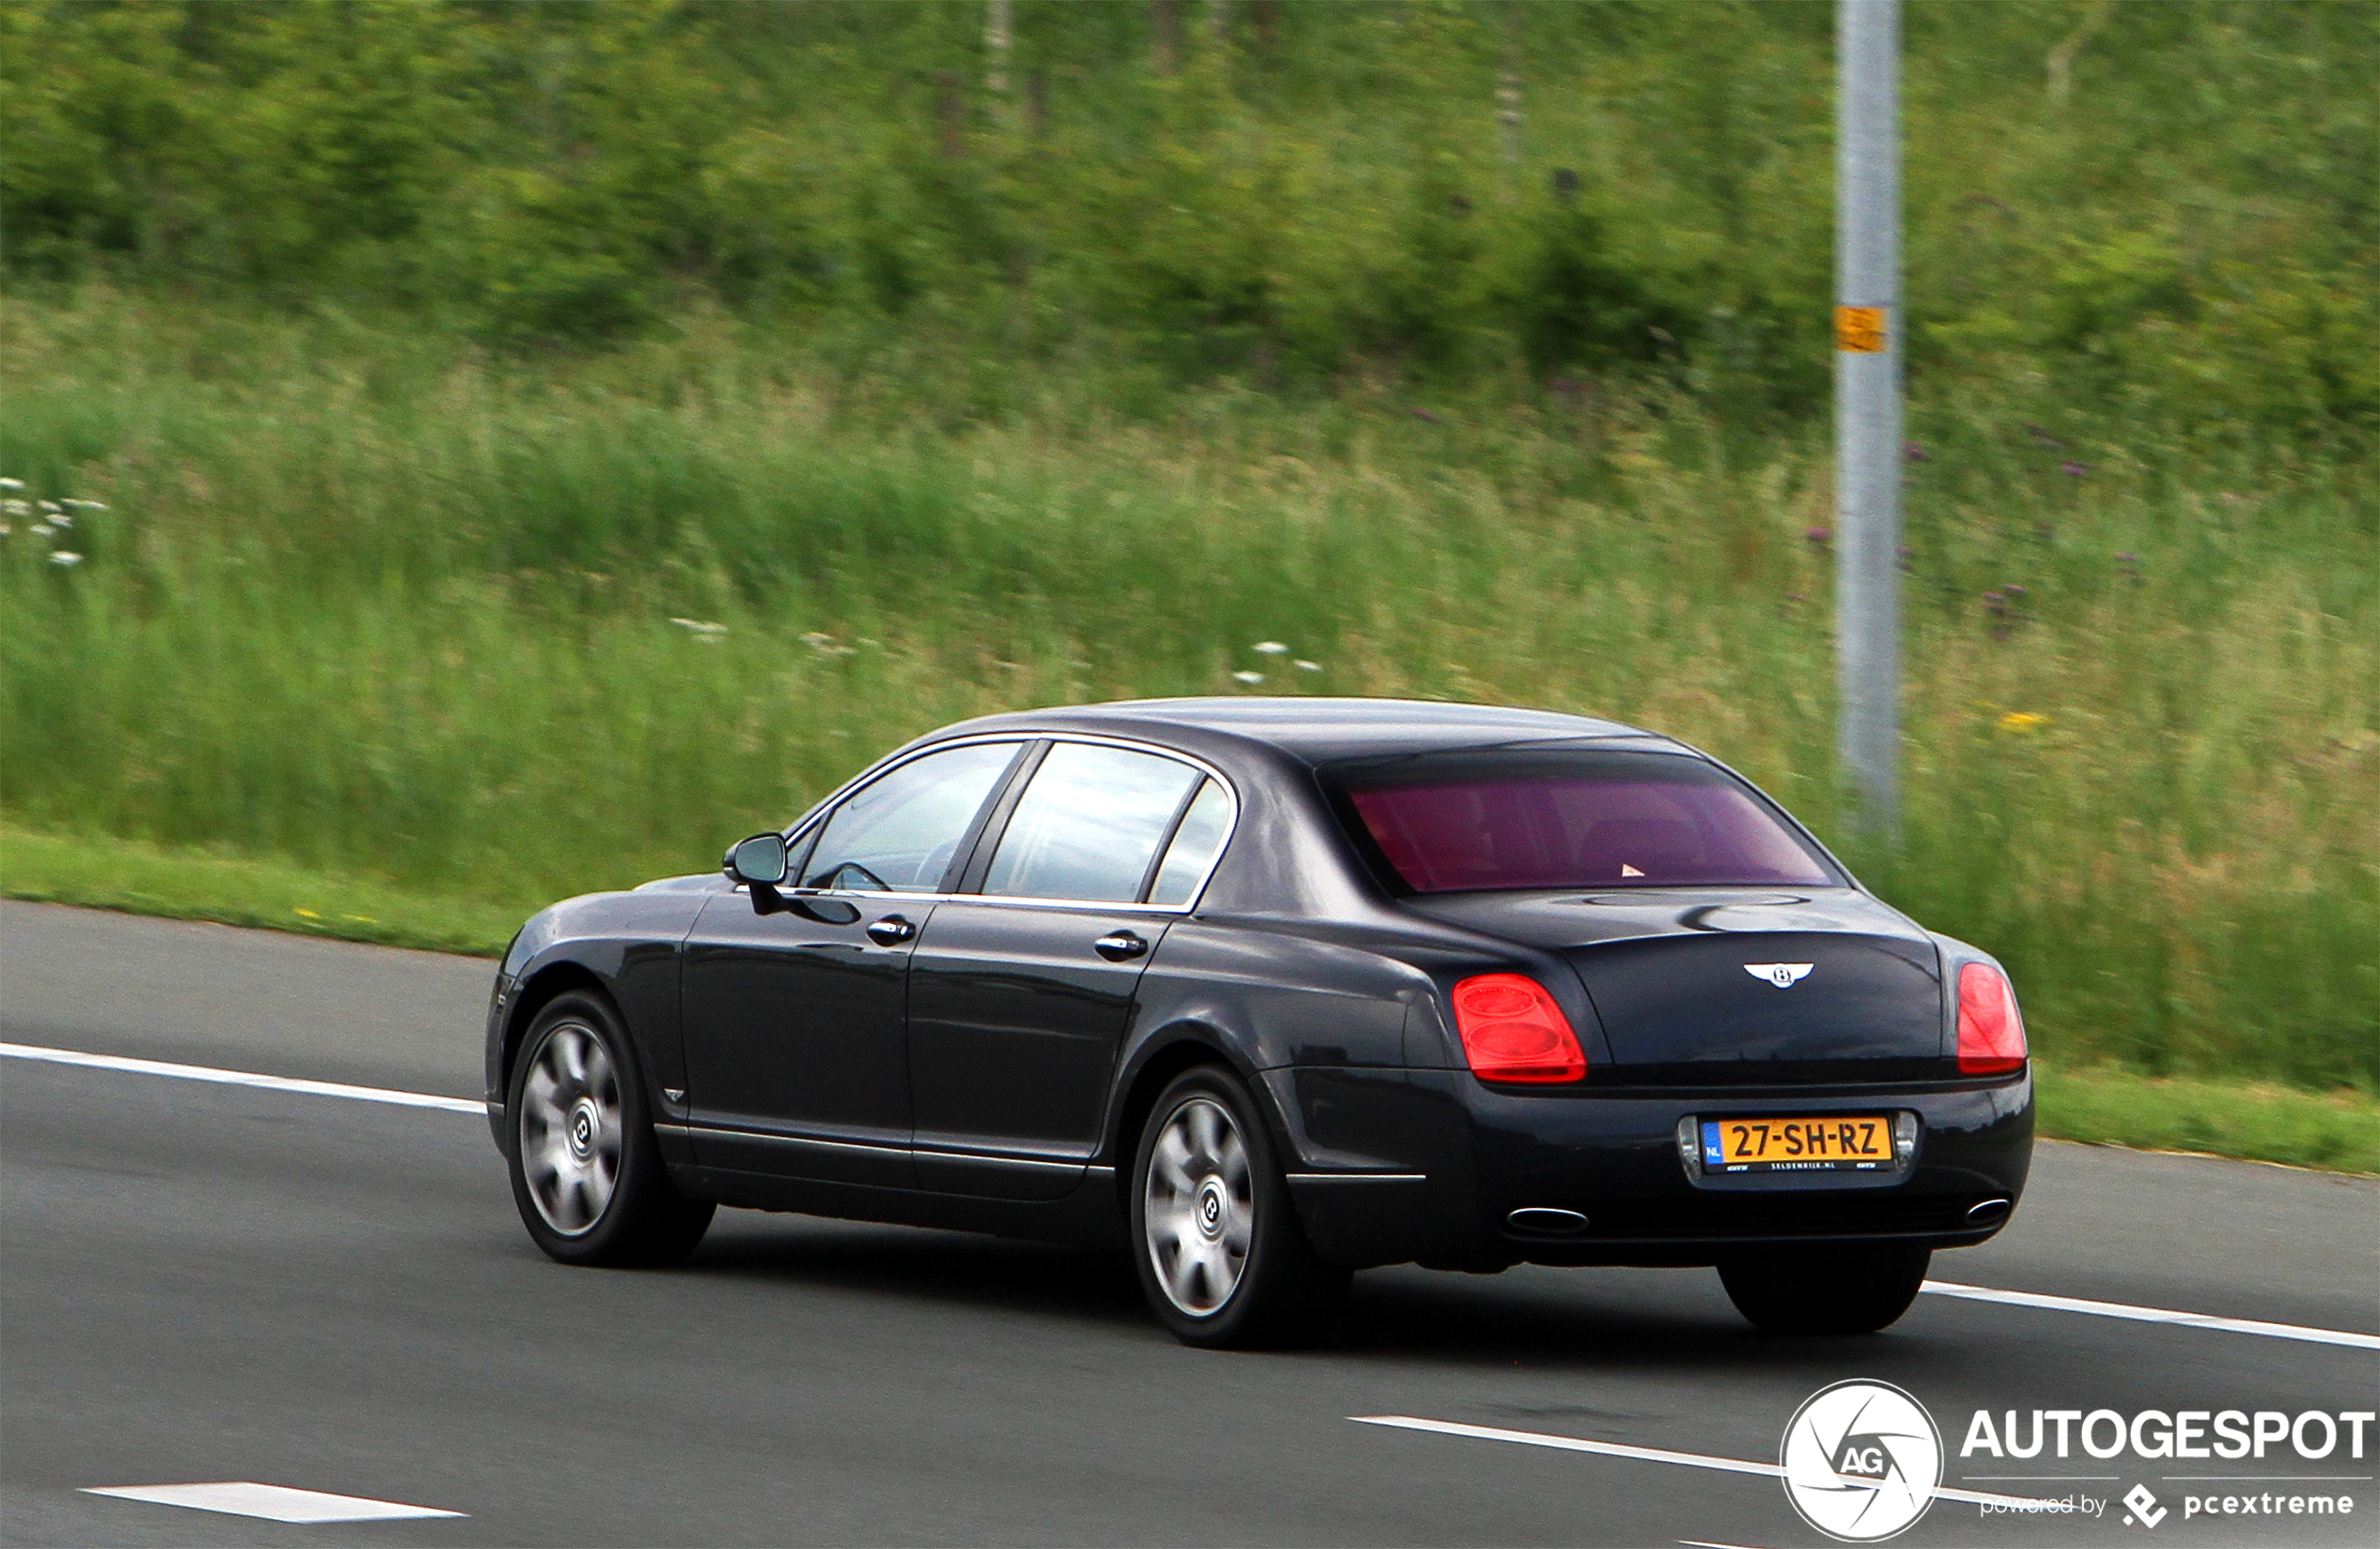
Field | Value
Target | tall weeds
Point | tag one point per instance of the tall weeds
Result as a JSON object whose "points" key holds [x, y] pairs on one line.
{"points": [[373, 604]]}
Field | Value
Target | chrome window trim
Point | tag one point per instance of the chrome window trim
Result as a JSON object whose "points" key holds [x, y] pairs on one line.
{"points": [[1230, 830]]}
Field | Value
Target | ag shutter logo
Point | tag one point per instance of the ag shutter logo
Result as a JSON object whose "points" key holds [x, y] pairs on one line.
{"points": [[1861, 1461]]}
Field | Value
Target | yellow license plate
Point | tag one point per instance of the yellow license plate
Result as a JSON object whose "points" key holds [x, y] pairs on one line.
{"points": [[1830, 1142]]}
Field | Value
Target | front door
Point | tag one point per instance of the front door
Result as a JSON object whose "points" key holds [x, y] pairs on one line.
{"points": [[797, 1062], [1020, 998]]}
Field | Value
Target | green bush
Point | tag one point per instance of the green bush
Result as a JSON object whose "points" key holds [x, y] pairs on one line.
{"points": [[2185, 212]]}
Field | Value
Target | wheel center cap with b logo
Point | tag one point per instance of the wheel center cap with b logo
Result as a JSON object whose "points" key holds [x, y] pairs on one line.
{"points": [[1861, 1461], [1210, 1207], [584, 1126]]}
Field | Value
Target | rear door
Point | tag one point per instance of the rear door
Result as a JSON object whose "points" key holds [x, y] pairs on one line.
{"points": [[1019, 997]]}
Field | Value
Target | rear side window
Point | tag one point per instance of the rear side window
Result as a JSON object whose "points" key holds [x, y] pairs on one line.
{"points": [[898, 832], [1508, 818], [1204, 827], [1089, 825]]}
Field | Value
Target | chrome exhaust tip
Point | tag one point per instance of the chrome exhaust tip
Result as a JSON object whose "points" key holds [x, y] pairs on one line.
{"points": [[1546, 1221], [1985, 1212]]}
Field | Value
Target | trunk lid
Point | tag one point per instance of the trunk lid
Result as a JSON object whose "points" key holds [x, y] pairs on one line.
{"points": [[1710, 987]]}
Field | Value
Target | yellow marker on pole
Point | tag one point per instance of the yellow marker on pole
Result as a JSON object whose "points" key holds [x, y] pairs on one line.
{"points": [[1860, 330]]}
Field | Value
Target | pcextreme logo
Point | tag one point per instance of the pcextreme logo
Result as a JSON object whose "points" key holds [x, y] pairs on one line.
{"points": [[1861, 1461]]}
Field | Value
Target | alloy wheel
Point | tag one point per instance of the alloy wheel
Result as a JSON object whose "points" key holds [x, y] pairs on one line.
{"points": [[1199, 1206], [571, 1129]]}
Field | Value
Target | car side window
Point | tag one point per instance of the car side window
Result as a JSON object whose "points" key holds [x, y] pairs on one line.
{"points": [[898, 832], [1089, 825], [1193, 847]]}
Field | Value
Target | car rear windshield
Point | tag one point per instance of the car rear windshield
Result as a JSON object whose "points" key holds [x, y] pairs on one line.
{"points": [[1502, 818]]}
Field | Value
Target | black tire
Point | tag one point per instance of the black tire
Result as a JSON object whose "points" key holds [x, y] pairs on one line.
{"points": [[1222, 1259], [1846, 1290], [587, 1174]]}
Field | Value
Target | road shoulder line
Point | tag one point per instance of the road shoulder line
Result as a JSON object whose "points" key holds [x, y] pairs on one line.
{"points": [[2152, 1314], [241, 1077]]}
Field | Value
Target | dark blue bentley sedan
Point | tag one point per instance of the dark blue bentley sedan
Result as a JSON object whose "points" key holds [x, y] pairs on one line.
{"points": [[1267, 991]]}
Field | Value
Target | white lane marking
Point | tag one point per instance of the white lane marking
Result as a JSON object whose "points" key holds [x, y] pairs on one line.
{"points": [[241, 1077], [458, 1105], [2155, 1315], [1640, 1454], [272, 1502]]}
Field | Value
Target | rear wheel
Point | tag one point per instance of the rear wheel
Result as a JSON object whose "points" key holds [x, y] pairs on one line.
{"points": [[587, 1174], [1846, 1290], [1222, 1259]]}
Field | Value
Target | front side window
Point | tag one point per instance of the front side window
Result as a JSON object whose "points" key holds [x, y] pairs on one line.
{"points": [[1526, 818], [898, 832], [1089, 825]]}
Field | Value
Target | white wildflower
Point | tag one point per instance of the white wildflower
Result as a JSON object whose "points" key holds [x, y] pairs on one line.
{"points": [[84, 505], [1271, 648], [52, 505], [11, 483], [702, 629], [67, 557], [17, 507], [1304, 666], [1249, 677], [6, 529], [59, 521]]}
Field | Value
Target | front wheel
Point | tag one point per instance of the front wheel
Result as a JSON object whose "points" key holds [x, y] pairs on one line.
{"points": [[587, 1174], [1847, 1290], [1222, 1259]]}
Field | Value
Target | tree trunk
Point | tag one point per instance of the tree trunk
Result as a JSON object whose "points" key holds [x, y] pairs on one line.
{"points": [[997, 34], [1165, 30], [1507, 87]]}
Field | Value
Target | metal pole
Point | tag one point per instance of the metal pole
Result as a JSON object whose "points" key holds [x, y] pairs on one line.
{"points": [[1867, 405]]}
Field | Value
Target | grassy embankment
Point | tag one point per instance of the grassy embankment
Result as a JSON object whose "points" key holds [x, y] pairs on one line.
{"points": [[374, 628]]}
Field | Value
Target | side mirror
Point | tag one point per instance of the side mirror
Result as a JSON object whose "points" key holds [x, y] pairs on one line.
{"points": [[758, 861]]}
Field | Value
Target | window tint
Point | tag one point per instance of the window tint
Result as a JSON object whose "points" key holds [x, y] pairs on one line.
{"points": [[1088, 824], [1194, 846], [899, 832], [1512, 818]]}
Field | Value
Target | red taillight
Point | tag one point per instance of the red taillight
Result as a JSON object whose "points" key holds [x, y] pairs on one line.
{"points": [[1513, 1031], [1991, 1036]]}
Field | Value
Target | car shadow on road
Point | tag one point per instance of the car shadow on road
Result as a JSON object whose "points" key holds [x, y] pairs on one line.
{"points": [[959, 1268], [1668, 1319]]}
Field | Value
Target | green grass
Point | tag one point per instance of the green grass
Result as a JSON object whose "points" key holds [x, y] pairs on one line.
{"points": [[366, 604], [104, 872], [2339, 1131]]}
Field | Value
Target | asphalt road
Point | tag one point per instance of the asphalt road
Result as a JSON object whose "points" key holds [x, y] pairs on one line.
{"points": [[204, 1283]]}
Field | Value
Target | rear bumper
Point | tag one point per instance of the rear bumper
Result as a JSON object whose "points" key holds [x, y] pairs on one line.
{"points": [[1430, 1165]]}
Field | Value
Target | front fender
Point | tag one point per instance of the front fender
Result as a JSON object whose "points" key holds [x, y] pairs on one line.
{"points": [[627, 947]]}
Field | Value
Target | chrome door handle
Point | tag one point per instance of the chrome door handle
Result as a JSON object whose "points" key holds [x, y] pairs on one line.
{"points": [[1120, 947], [891, 931]]}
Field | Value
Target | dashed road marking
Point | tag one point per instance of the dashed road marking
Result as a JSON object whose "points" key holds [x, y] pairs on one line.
{"points": [[272, 1502], [1645, 1455]]}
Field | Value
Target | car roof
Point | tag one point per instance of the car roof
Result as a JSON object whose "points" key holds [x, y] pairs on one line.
{"points": [[1315, 730]]}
